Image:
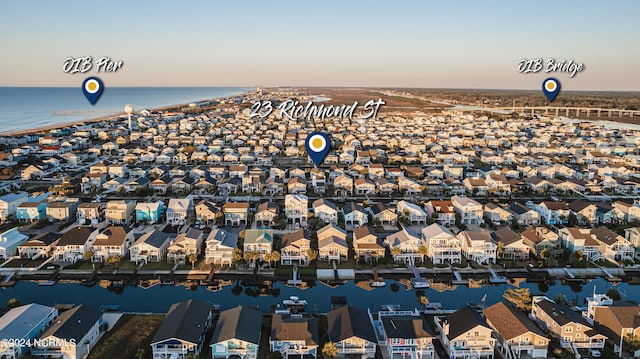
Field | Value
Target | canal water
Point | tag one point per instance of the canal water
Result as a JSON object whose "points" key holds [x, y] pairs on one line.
{"points": [[159, 298]]}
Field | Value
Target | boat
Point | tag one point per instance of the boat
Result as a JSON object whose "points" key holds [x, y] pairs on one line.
{"points": [[419, 283], [294, 303], [478, 307], [377, 283], [47, 282]]}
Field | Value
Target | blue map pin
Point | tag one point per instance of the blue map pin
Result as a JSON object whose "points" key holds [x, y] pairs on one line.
{"points": [[92, 88], [551, 87], [317, 145]]}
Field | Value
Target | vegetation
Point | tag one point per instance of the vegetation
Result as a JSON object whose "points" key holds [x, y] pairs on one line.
{"points": [[192, 258], [131, 332], [520, 297], [330, 350], [13, 303], [613, 294]]}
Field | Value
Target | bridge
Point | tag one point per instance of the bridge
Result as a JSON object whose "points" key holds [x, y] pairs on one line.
{"points": [[566, 111]]}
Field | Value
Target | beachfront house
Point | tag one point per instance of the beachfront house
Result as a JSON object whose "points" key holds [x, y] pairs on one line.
{"points": [[465, 334], [112, 241], [9, 242], [294, 248], [332, 243], [149, 212], [294, 336], [182, 331], [237, 334], [571, 329], [219, 246], [259, 241], [597, 243], [514, 247], [184, 245], [150, 247], [41, 245], [405, 245], [406, 334], [351, 330], [365, 243], [178, 210], [72, 245], [517, 337], [478, 246], [71, 336], [22, 325], [443, 246]]}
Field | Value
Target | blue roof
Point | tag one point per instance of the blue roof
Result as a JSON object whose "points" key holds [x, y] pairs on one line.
{"points": [[14, 196], [18, 322]]}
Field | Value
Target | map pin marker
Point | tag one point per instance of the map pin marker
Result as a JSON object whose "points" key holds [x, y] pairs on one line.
{"points": [[92, 88], [317, 145], [551, 87]]}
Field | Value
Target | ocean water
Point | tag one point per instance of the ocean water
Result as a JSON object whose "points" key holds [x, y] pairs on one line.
{"points": [[28, 107]]}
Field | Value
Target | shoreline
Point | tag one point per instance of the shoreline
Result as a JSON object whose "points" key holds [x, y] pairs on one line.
{"points": [[108, 118]]}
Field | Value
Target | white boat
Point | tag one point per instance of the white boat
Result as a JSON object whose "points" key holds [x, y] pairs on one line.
{"points": [[295, 303], [378, 283], [419, 283]]}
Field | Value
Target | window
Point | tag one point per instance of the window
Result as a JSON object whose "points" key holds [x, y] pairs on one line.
{"points": [[566, 339], [568, 329], [577, 335]]}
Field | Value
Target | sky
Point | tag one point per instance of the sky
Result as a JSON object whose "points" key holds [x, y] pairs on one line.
{"points": [[431, 44]]}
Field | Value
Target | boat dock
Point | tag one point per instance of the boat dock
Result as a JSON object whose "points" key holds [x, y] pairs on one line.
{"points": [[495, 279], [458, 278]]}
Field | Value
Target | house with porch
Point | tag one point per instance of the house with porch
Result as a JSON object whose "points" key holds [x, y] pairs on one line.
{"points": [[296, 208], [465, 334], [325, 210], [150, 247], [443, 246], [112, 241], [405, 245], [10, 240], [517, 337], [266, 214], [91, 213], [294, 336], [237, 334], [412, 212], [178, 210], [23, 324], [73, 244], [120, 211], [236, 213], [539, 238], [553, 213], [332, 243], [514, 247], [387, 216], [294, 248], [258, 240], [149, 212], [478, 246], [41, 245], [405, 334], [219, 247], [355, 215], [184, 245], [366, 243], [208, 212], [352, 331], [470, 211], [442, 212]]}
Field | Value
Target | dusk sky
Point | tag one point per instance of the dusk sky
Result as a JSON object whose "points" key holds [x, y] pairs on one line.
{"points": [[452, 44]]}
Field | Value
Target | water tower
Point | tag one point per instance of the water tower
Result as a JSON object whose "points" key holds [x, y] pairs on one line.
{"points": [[129, 110]]}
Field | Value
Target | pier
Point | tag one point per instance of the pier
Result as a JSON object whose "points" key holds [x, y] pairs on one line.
{"points": [[495, 279]]}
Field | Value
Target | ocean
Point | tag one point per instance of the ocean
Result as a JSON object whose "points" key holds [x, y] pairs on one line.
{"points": [[29, 107]]}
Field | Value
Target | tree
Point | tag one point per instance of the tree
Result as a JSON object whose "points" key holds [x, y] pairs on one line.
{"points": [[631, 342], [275, 256], [113, 260], [236, 255], [330, 350], [520, 297], [140, 353], [423, 251], [192, 259], [13, 302], [545, 254], [613, 294], [88, 254], [267, 258], [396, 251], [561, 299], [312, 254], [423, 300], [499, 249]]}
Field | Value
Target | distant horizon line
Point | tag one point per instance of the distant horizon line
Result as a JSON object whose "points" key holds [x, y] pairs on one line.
{"points": [[330, 87]]}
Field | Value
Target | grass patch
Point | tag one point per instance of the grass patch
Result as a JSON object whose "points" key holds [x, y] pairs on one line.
{"points": [[82, 265], [132, 331], [162, 265], [350, 263]]}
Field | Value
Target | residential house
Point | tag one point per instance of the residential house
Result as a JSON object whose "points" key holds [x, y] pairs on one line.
{"points": [[632, 235], [443, 247], [71, 336], [618, 323], [597, 243], [91, 213], [343, 185], [405, 246], [523, 214], [517, 337], [266, 214], [470, 211], [112, 241], [539, 238], [208, 212], [29, 212], [149, 212], [237, 334], [513, 246], [184, 245], [178, 210], [405, 334], [476, 186], [365, 243], [442, 212], [182, 331], [352, 331], [258, 240], [465, 334], [10, 240], [355, 215], [294, 248], [236, 213], [386, 216], [553, 212], [150, 247], [496, 214], [568, 326], [294, 335], [585, 212], [219, 246], [364, 186], [72, 245], [332, 243], [41, 245], [23, 325], [92, 182], [296, 208], [325, 210], [120, 211], [478, 246], [10, 202], [297, 186]]}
